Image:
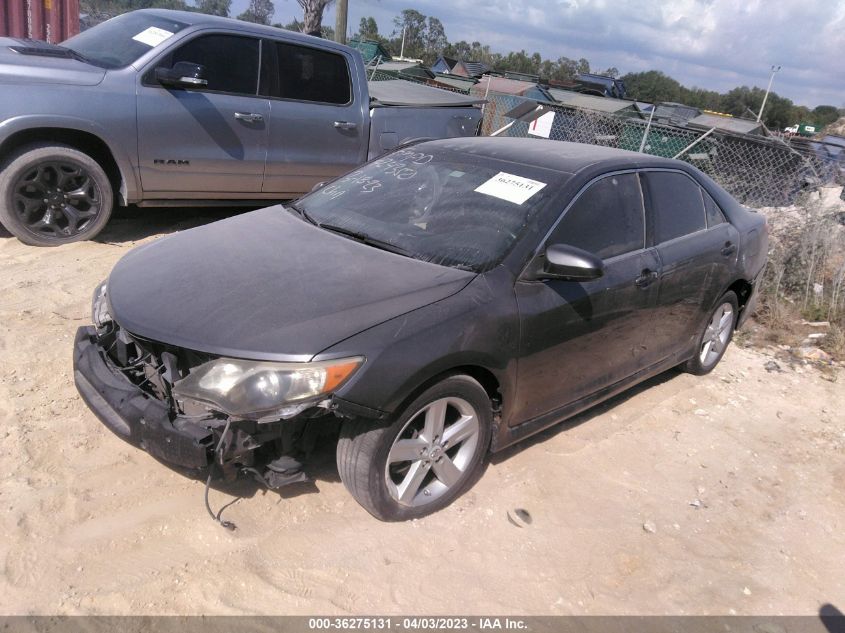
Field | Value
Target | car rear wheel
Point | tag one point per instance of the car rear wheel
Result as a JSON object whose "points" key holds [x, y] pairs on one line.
{"points": [[54, 194], [424, 459], [716, 336]]}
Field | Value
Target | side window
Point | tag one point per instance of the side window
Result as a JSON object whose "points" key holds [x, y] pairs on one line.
{"points": [[712, 211], [607, 219], [676, 203], [231, 62], [309, 74]]}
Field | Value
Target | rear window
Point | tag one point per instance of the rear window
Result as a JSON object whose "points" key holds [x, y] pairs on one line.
{"points": [[676, 204], [712, 210]]}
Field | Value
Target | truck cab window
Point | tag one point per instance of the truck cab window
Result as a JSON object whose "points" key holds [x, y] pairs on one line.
{"points": [[231, 62], [307, 74]]}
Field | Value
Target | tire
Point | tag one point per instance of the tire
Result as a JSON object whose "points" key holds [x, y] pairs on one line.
{"points": [[384, 485], [79, 197], [715, 337]]}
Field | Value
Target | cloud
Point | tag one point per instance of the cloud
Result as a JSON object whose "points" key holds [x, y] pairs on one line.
{"points": [[713, 44]]}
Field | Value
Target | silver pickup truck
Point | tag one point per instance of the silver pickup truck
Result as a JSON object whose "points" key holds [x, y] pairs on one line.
{"points": [[167, 108]]}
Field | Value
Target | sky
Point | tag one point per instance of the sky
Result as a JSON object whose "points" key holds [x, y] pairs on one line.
{"points": [[712, 44]]}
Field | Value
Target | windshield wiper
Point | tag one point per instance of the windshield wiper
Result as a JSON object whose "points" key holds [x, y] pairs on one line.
{"points": [[303, 213], [77, 56], [366, 239]]}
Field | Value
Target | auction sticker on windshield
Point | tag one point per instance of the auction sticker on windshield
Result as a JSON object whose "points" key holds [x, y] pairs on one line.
{"points": [[509, 187], [152, 36]]}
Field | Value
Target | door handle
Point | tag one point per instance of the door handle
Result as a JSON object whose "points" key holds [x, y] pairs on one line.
{"points": [[646, 278], [729, 249], [249, 117], [345, 125]]}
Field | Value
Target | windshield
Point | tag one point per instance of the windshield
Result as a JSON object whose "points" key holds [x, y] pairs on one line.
{"points": [[118, 42], [448, 208]]}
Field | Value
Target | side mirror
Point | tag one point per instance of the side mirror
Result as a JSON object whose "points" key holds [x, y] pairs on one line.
{"points": [[562, 261], [183, 74]]}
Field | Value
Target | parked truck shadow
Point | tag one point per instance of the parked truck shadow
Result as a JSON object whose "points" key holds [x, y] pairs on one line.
{"points": [[130, 224]]}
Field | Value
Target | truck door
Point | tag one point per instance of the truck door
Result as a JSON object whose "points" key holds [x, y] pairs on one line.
{"points": [[207, 139], [317, 125]]}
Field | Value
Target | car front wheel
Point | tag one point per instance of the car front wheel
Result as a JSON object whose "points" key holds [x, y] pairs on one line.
{"points": [[717, 334], [53, 194], [422, 461]]}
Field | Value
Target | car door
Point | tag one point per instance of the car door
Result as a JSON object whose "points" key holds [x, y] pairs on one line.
{"points": [[578, 337], [208, 139], [316, 126], [696, 256]]}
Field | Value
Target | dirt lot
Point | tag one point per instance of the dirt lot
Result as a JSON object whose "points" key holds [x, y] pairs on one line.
{"points": [[723, 494]]}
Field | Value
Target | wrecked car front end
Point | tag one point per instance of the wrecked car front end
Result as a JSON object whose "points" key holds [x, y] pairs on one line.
{"points": [[211, 415]]}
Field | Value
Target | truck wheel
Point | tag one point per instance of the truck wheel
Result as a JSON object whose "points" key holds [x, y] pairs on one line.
{"points": [[53, 194], [716, 336], [425, 458]]}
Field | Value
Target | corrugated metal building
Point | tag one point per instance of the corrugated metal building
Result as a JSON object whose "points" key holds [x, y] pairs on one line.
{"points": [[726, 124], [500, 85], [369, 49], [50, 20], [597, 104]]}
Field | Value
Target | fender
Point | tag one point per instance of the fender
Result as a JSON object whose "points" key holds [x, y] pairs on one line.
{"points": [[130, 189]]}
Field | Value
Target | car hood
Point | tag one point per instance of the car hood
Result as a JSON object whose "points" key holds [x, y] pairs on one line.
{"points": [[267, 285], [42, 69]]}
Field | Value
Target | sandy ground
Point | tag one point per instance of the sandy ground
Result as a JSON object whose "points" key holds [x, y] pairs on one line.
{"points": [[723, 494]]}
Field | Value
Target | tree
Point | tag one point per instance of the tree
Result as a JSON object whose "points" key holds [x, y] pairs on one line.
{"points": [[215, 7], [368, 29], [259, 12], [412, 22], [825, 115], [312, 15], [294, 25], [652, 86], [434, 39]]}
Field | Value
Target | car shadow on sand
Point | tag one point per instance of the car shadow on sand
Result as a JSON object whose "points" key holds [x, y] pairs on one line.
{"points": [[130, 224], [585, 416], [321, 466]]}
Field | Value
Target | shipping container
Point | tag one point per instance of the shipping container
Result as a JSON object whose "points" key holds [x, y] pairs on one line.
{"points": [[50, 20]]}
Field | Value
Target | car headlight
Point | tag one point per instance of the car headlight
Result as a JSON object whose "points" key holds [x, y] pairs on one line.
{"points": [[100, 306], [262, 390]]}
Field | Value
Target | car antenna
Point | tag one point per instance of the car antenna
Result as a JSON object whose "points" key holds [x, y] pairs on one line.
{"points": [[226, 524]]}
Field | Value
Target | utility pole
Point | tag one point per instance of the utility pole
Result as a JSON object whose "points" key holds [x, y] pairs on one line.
{"points": [[771, 79], [340, 21]]}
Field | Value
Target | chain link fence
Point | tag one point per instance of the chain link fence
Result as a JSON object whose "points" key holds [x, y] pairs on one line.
{"points": [[759, 172]]}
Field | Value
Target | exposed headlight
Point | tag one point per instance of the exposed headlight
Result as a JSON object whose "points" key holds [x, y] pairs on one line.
{"points": [[260, 390], [100, 306]]}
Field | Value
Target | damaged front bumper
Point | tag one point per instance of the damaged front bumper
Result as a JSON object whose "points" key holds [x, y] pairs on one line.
{"points": [[269, 452], [131, 413]]}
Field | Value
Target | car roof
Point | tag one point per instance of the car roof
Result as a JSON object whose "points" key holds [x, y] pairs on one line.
{"points": [[561, 156]]}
